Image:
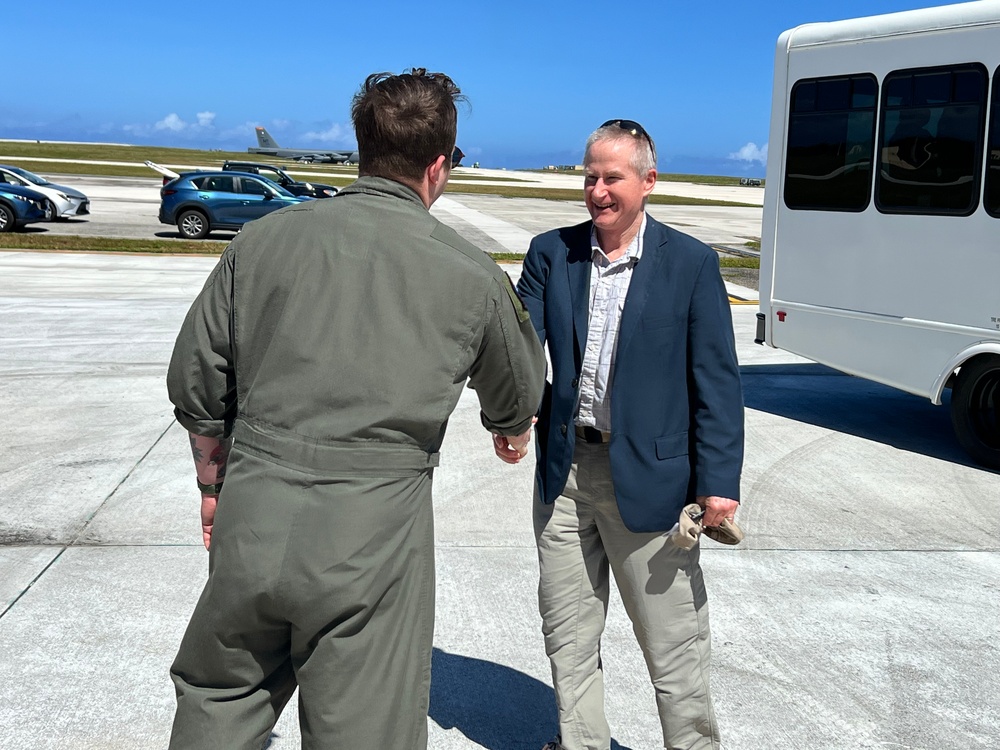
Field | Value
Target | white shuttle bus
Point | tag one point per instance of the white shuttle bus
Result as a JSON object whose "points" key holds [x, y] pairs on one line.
{"points": [[880, 247]]}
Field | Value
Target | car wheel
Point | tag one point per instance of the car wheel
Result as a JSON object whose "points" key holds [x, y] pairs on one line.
{"points": [[193, 225], [975, 409], [8, 221], [51, 212]]}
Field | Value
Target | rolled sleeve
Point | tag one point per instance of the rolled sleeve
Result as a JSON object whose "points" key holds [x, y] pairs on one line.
{"points": [[201, 379]]}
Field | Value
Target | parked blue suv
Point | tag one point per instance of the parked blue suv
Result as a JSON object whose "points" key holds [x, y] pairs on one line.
{"points": [[201, 202], [20, 206]]}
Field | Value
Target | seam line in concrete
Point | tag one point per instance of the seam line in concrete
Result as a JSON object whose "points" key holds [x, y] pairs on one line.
{"points": [[33, 581], [118, 486]]}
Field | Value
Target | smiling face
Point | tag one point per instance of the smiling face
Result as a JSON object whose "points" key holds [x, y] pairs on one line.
{"points": [[614, 192]]}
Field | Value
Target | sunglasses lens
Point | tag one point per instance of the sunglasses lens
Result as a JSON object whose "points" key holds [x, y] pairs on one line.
{"points": [[630, 125]]}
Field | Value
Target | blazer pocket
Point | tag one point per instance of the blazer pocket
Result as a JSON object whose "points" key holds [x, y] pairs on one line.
{"points": [[671, 446]]}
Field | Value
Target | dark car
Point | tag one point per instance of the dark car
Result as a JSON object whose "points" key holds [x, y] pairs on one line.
{"points": [[202, 202], [20, 206], [280, 176]]}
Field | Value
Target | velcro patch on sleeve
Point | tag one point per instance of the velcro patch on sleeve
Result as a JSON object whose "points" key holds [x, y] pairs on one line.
{"points": [[519, 308]]}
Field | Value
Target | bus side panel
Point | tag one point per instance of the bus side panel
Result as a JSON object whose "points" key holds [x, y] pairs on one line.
{"points": [[940, 269], [904, 354]]}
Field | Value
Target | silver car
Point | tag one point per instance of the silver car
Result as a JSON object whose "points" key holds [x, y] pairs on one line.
{"points": [[66, 202]]}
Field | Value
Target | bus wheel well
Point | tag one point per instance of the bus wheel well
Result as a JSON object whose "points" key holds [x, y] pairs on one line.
{"points": [[975, 408]]}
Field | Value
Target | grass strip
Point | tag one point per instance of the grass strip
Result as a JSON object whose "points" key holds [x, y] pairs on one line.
{"points": [[72, 243], [69, 243]]}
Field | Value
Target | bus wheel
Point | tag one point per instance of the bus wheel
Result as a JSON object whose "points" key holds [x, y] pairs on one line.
{"points": [[975, 409]]}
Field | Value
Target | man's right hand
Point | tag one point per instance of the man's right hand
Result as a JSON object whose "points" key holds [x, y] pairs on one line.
{"points": [[208, 505], [512, 448]]}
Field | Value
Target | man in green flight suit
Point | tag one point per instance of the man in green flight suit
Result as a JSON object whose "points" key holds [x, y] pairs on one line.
{"points": [[316, 372]]}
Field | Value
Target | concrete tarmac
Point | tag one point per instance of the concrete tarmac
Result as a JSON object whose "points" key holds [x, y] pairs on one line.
{"points": [[860, 612]]}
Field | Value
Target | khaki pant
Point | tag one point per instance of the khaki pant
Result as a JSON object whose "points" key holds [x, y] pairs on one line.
{"points": [[663, 590], [325, 583]]}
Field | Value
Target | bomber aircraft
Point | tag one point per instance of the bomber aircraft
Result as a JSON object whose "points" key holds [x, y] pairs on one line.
{"points": [[269, 147]]}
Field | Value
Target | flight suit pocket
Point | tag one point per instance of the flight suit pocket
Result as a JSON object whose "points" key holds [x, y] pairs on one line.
{"points": [[671, 446]]}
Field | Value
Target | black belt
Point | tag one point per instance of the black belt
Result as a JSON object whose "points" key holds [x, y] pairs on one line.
{"points": [[592, 435]]}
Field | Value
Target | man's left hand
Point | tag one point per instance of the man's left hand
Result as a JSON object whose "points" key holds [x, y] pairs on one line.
{"points": [[716, 509]]}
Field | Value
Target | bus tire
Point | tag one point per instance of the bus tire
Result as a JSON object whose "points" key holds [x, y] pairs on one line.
{"points": [[975, 409]]}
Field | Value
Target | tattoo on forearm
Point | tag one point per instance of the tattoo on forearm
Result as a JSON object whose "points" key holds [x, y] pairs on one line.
{"points": [[211, 456], [195, 450], [219, 457]]}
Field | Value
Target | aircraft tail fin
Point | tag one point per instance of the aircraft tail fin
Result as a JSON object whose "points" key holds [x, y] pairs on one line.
{"points": [[264, 139]]}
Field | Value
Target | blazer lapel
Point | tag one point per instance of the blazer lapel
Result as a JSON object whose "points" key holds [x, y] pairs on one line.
{"points": [[579, 264], [646, 270]]}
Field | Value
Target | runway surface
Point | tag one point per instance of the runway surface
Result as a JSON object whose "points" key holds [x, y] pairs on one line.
{"points": [[861, 611]]}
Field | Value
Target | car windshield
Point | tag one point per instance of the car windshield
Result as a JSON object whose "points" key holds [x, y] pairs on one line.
{"points": [[275, 186], [29, 176]]}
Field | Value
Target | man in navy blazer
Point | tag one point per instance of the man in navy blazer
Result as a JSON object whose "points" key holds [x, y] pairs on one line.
{"points": [[643, 415]]}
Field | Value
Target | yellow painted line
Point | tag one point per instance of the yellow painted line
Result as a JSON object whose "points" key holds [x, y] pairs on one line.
{"points": [[740, 301]]}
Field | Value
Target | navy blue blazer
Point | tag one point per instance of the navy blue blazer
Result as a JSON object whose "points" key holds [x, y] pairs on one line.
{"points": [[676, 401]]}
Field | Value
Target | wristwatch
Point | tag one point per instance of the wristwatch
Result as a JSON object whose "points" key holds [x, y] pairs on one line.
{"points": [[210, 489]]}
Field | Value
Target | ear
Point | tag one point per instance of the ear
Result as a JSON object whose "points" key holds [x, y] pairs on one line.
{"points": [[437, 170], [649, 183]]}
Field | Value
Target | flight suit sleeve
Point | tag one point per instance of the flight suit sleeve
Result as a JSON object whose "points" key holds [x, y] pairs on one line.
{"points": [[201, 379], [509, 370]]}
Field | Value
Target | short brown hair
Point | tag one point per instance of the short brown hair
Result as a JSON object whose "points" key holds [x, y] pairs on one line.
{"points": [[404, 122]]}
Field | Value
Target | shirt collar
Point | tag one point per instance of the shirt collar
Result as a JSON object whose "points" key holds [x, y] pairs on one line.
{"points": [[632, 252]]}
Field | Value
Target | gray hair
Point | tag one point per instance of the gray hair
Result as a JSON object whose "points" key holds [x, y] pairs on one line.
{"points": [[644, 151]]}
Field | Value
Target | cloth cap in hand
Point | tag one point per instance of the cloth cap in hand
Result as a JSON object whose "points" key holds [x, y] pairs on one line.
{"points": [[690, 528]]}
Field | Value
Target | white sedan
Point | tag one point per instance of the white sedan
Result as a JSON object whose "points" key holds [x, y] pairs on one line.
{"points": [[66, 202]]}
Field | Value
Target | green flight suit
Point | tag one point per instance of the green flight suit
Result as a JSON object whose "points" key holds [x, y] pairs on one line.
{"points": [[332, 341]]}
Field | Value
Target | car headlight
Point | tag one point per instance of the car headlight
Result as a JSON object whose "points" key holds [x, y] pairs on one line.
{"points": [[329, 193], [21, 198]]}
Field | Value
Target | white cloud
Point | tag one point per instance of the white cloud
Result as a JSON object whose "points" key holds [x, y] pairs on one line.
{"points": [[751, 153], [171, 122], [335, 133], [205, 119]]}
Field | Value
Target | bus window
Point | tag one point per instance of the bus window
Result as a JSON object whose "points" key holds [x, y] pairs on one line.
{"points": [[931, 140], [991, 196], [831, 137]]}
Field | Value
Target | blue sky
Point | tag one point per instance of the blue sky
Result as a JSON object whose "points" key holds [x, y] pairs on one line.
{"points": [[539, 75]]}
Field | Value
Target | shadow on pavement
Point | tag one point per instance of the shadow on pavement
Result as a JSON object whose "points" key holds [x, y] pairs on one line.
{"points": [[824, 397], [494, 706], [219, 235]]}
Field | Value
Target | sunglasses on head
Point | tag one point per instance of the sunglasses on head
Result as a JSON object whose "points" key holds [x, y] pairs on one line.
{"points": [[632, 127]]}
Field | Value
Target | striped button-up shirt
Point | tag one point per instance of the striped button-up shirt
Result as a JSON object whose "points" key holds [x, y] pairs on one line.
{"points": [[609, 282]]}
